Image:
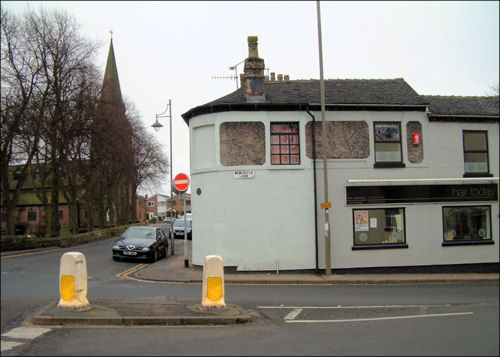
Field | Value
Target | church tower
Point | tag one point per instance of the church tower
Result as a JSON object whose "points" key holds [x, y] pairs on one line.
{"points": [[112, 150]]}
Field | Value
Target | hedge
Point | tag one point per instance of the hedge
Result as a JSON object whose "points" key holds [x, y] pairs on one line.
{"points": [[32, 242]]}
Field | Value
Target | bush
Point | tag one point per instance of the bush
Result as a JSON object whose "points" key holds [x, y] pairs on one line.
{"points": [[29, 241]]}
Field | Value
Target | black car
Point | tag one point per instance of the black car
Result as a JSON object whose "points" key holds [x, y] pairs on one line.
{"points": [[141, 242]]}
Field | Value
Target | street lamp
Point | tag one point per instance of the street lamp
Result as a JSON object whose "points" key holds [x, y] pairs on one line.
{"points": [[157, 126]]}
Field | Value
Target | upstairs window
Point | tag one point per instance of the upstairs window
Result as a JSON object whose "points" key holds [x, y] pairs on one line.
{"points": [[285, 147], [476, 153], [150, 203], [388, 144]]}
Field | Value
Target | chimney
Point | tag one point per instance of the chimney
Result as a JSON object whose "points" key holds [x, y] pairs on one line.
{"points": [[254, 73], [273, 76]]}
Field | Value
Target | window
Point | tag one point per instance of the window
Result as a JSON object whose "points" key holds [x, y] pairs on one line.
{"points": [[476, 153], [31, 215], [466, 224], [17, 174], [388, 144], [379, 228], [150, 203], [285, 148], [241, 143]]}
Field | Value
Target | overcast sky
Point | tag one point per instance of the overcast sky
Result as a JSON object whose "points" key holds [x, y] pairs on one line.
{"points": [[171, 50]]}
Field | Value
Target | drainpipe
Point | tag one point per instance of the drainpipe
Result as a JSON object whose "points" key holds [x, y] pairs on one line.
{"points": [[315, 194]]}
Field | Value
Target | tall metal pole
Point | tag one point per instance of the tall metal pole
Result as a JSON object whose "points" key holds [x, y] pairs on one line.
{"points": [[186, 258], [328, 264], [172, 237]]}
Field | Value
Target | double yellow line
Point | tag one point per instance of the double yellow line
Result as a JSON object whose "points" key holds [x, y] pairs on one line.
{"points": [[125, 274]]}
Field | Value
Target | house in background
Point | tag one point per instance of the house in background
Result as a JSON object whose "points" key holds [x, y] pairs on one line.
{"points": [[412, 179], [159, 206]]}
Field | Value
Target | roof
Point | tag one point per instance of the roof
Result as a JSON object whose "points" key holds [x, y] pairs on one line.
{"points": [[354, 94], [338, 93], [456, 106]]}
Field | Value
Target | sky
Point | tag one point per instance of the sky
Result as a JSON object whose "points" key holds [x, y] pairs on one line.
{"points": [[174, 49]]}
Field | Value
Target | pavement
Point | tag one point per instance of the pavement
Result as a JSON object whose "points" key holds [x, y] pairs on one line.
{"points": [[161, 312]]}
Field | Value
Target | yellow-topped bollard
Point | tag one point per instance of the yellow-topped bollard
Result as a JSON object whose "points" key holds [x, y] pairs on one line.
{"points": [[73, 281], [213, 282]]}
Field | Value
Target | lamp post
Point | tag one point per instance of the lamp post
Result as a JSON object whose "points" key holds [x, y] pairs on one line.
{"points": [[157, 126], [326, 204]]}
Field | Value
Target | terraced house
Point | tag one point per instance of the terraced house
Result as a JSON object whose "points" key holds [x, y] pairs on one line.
{"points": [[412, 179]]}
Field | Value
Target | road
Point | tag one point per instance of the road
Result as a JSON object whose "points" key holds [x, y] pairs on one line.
{"points": [[447, 319]]}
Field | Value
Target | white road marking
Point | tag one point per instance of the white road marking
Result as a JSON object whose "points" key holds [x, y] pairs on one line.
{"points": [[8, 345], [26, 332], [383, 318], [350, 307], [293, 314]]}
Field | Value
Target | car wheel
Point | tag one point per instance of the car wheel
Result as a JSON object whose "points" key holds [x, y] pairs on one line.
{"points": [[116, 259], [154, 257], [165, 253]]}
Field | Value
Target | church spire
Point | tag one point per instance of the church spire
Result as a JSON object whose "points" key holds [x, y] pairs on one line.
{"points": [[111, 86]]}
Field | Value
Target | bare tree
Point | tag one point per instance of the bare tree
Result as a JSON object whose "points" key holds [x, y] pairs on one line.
{"points": [[151, 162], [21, 102], [65, 57]]}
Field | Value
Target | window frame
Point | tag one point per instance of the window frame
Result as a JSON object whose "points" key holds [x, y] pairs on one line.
{"points": [[32, 215], [487, 151], [471, 241], [357, 246], [387, 164], [280, 144]]}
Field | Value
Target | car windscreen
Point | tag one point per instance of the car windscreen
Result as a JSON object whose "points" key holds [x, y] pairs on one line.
{"points": [[137, 232], [180, 223]]}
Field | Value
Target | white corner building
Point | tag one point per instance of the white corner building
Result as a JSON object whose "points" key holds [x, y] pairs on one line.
{"points": [[412, 179]]}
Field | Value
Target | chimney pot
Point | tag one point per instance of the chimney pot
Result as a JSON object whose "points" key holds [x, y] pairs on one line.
{"points": [[253, 49], [287, 77], [273, 76], [280, 77]]}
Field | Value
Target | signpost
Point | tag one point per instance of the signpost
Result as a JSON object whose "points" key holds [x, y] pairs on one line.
{"points": [[181, 184]]}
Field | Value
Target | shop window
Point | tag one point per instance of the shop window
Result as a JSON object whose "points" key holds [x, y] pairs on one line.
{"points": [[379, 228], [31, 215], [285, 147], [476, 153], [467, 225], [388, 144]]}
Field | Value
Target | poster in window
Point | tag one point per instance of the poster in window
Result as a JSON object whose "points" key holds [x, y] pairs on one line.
{"points": [[360, 221]]}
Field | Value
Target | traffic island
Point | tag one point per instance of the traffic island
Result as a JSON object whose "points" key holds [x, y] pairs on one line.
{"points": [[142, 314]]}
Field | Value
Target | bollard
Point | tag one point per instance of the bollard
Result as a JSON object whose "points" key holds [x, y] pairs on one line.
{"points": [[213, 282], [73, 281]]}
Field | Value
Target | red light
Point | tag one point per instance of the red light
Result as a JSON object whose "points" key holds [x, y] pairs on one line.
{"points": [[416, 138]]}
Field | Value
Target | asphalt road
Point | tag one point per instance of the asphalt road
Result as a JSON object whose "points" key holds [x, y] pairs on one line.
{"points": [[436, 319]]}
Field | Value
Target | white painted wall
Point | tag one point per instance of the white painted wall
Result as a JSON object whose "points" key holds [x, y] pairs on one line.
{"points": [[267, 222]]}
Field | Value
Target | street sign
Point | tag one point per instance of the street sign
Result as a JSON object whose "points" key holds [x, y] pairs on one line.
{"points": [[181, 182]]}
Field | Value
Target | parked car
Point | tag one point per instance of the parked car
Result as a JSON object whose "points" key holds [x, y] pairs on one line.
{"points": [[141, 242], [169, 220], [179, 228]]}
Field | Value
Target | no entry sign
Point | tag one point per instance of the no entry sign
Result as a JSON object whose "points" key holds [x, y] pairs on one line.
{"points": [[181, 182]]}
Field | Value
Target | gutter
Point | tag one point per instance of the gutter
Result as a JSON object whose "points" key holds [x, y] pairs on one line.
{"points": [[226, 107], [315, 192]]}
